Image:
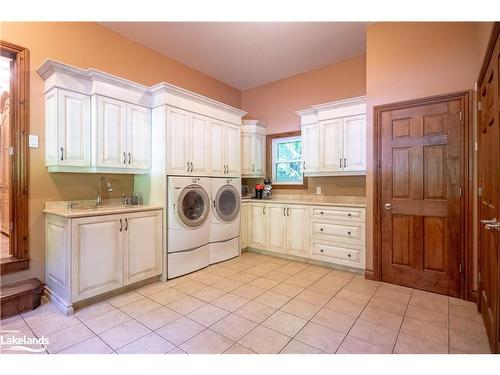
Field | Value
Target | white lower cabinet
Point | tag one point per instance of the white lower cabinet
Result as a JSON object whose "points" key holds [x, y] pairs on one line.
{"points": [[89, 256], [333, 234], [243, 226]]}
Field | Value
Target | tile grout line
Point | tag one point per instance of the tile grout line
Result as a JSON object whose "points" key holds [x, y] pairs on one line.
{"points": [[402, 320]]}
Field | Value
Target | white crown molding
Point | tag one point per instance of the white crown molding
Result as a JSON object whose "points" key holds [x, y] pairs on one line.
{"points": [[258, 123], [339, 103], [89, 79]]}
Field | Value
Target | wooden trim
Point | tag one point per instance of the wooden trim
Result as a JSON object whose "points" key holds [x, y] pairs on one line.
{"points": [[369, 275], [19, 133], [466, 182], [495, 32], [269, 159]]}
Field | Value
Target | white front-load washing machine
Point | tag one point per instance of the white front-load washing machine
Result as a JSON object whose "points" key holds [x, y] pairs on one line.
{"points": [[225, 219], [188, 224]]}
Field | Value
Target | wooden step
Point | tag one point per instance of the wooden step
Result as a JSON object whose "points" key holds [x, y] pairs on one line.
{"points": [[20, 296]]}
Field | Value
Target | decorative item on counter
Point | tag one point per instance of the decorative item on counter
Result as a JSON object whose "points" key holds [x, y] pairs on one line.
{"points": [[266, 194], [258, 191]]}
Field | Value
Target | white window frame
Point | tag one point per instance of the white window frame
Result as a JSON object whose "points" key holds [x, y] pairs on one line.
{"points": [[274, 148]]}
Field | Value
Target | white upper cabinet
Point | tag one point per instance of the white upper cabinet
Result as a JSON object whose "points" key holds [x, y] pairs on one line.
{"points": [[330, 146], [310, 148], [111, 133], [97, 122], [253, 149], [354, 143], [67, 129], [138, 137], [178, 141], [334, 138]]}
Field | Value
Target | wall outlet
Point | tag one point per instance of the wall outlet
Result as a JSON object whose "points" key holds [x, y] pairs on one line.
{"points": [[318, 190], [33, 141]]}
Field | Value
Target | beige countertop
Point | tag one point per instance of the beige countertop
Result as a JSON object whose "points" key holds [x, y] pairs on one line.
{"points": [[86, 208], [310, 199]]}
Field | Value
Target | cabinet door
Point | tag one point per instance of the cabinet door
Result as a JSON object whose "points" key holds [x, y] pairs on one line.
{"points": [[217, 162], [257, 226], [232, 150], [275, 227], [247, 154], [355, 143], [260, 156], [178, 142], [243, 226], [297, 231], [330, 146], [200, 145], [142, 246], [138, 137], [97, 258], [310, 148], [73, 113], [111, 133]]}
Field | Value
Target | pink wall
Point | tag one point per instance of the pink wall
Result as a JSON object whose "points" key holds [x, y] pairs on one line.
{"points": [[276, 102], [413, 60]]}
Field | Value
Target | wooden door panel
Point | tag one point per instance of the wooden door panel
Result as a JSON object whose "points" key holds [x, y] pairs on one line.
{"points": [[420, 183]]}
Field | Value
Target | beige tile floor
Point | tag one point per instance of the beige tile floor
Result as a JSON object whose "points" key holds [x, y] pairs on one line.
{"points": [[262, 304]]}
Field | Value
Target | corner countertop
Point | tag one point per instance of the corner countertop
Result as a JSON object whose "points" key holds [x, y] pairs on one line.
{"points": [[86, 208], [316, 200]]}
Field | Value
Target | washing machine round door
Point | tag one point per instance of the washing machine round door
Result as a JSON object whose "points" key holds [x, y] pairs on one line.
{"points": [[193, 206], [227, 203]]}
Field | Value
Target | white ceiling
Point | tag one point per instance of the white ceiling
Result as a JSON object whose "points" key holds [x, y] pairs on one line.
{"points": [[246, 55]]}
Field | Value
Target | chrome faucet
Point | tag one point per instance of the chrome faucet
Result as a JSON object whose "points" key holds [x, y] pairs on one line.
{"points": [[98, 200]]}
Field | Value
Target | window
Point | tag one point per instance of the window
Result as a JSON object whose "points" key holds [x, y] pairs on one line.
{"points": [[287, 160]]}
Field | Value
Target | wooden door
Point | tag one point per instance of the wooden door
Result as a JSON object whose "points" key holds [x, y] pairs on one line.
{"points": [[5, 167], [97, 255], [354, 143], [297, 234], [142, 246], [200, 145], [257, 226], [310, 148], [217, 162], [489, 197], [138, 137], [420, 195], [275, 227], [177, 142], [232, 150], [111, 133], [330, 146], [74, 129]]}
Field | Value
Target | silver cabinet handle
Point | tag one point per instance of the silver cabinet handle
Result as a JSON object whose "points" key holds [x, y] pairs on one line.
{"points": [[288, 211], [192, 166], [129, 157], [253, 168], [62, 153], [387, 206], [340, 162], [284, 211], [345, 162], [124, 158], [304, 165], [187, 163], [121, 225], [264, 210], [126, 224]]}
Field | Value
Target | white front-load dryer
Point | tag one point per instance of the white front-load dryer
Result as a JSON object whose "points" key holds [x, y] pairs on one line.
{"points": [[225, 218], [188, 224]]}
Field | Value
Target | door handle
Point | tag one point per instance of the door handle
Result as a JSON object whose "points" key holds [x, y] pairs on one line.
{"points": [[126, 224], [121, 225], [493, 226], [62, 153], [489, 222], [387, 206]]}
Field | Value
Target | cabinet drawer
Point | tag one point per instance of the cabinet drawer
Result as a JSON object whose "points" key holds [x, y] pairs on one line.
{"points": [[353, 233], [338, 213], [338, 253]]}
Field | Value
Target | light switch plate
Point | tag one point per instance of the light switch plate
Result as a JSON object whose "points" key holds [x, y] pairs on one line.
{"points": [[33, 141]]}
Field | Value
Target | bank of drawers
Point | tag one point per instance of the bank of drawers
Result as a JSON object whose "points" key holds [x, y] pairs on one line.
{"points": [[337, 235]]}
